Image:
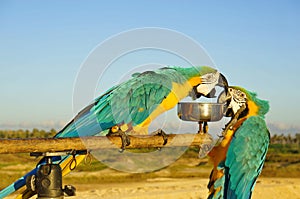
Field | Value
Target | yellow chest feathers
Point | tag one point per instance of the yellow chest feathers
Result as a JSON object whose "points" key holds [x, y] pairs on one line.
{"points": [[178, 92]]}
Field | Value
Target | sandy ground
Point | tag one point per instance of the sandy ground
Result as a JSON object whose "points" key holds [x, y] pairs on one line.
{"points": [[186, 188]]}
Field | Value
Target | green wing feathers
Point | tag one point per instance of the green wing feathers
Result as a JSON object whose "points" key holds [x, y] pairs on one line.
{"points": [[133, 101], [245, 157], [130, 102]]}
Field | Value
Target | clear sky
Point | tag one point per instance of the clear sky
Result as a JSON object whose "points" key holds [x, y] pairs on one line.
{"points": [[43, 44]]}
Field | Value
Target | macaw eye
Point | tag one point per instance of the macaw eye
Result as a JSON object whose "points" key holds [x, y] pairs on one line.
{"points": [[209, 76], [230, 89], [242, 95]]}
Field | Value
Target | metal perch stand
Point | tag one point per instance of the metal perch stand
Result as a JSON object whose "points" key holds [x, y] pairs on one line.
{"points": [[47, 183]]}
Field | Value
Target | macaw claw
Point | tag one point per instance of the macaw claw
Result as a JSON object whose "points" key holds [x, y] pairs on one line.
{"points": [[124, 138], [161, 133]]}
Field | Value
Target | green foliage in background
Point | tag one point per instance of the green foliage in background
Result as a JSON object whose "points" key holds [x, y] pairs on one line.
{"points": [[34, 133]]}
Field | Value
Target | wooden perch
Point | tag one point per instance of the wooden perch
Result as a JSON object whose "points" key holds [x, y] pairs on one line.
{"points": [[98, 142]]}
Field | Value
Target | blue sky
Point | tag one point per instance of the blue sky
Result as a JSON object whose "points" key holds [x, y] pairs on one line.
{"points": [[43, 44]]}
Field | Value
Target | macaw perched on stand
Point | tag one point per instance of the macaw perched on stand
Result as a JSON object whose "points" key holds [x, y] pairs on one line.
{"points": [[238, 159], [130, 107]]}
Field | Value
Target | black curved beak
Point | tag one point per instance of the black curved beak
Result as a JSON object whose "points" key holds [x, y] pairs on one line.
{"points": [[195, 94], [212, 94], [228, 112], [223, 83]]}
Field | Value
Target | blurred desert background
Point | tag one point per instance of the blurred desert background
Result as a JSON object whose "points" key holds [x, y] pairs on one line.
{"points": [[185, 178]]}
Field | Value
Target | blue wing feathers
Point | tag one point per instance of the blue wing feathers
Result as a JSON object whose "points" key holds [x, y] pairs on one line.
{"points": [[244, 160], [245, 157]]}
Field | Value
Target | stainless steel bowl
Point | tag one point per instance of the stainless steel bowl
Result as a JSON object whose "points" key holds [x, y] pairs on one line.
{"points": [[204, 112]]}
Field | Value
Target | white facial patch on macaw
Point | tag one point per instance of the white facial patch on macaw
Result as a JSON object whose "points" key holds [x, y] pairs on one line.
{"points": [[208, 83], [238, 98]]}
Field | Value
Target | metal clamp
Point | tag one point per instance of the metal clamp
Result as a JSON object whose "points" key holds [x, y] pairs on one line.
{"points": [[47, 182]]}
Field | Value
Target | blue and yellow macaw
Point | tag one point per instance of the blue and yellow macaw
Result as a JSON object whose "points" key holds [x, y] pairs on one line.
{"points": [[131, 106], [238, 159]]}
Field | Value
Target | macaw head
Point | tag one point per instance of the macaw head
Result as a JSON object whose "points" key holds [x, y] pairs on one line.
{"points": [[238, 97], [207, 86], [202, 80]]}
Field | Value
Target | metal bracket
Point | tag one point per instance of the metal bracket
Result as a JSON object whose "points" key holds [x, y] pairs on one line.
{"points": [[59, 153], [47, 182]]}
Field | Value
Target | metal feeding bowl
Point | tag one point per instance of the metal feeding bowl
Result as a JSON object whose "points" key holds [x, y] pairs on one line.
{"points": [[200, 112]]}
